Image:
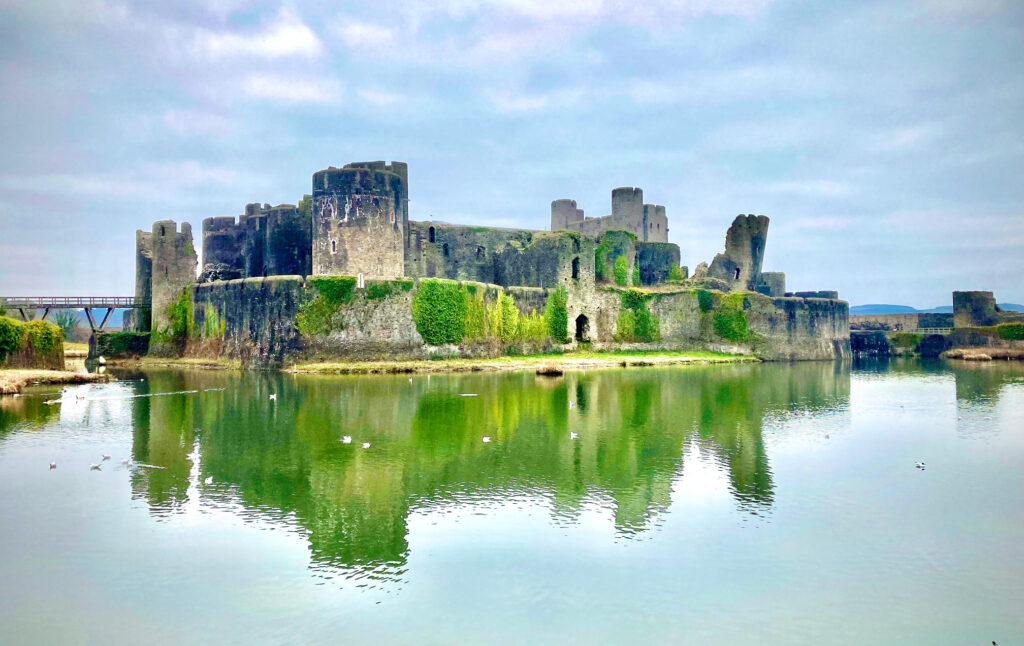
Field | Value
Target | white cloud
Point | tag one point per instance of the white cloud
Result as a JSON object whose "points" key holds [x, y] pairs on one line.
{"points": [[286, 36], [362, 34], [196, 123], [826, 188], [283, 89], [904, 138]]}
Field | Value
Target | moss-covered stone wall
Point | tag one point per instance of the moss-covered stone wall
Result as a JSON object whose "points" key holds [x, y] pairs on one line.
{"points": [[35, 344]]}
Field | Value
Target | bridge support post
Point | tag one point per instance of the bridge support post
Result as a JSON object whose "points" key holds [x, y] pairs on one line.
{"points": [[92, 322], [103, 324], [46, 313]]}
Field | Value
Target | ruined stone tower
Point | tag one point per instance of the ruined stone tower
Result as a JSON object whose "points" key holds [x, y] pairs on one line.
{"points": [[173, 269], [647, 222], [360, 215], [740, 264]]}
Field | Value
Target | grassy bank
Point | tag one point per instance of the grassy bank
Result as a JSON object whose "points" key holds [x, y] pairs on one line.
{"points": [[571, 361], [13, 381], [183, 362]]}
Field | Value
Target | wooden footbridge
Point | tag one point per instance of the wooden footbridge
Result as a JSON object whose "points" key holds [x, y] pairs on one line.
{"points": [[27, 304]]}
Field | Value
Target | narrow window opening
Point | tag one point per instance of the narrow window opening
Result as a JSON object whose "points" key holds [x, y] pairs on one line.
{"points": [[737, 276], [444, 249], [161, 231], [360, 283], [431, 234], [576, 268], [480, 251], [334, 246]]}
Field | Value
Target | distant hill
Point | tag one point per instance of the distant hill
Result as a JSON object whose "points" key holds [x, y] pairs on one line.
{"points": [[880, 308]]}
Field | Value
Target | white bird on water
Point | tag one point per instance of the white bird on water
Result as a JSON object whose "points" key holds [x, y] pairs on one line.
{"points": [[573, 435], [94, 467], [53, 465], [919, 465], [486, 439], [366, 445], [209, 480], [126, 462], [572, 405], [273, 397], [346, 439], [105, 457]]}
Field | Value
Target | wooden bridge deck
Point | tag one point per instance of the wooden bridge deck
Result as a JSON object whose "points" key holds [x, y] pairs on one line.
{"points": [[87, 303]]}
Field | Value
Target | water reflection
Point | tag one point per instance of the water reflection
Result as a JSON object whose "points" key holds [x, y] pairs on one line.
{"points": [[283, 459]]}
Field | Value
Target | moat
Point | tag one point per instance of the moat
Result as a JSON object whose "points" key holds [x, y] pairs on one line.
{"points": [[704, 504]]}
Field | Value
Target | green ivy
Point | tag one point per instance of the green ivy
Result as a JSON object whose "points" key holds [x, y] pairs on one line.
{"points": [[11, 335], [620, 270], [124, 343], [636, 276], [533, 327], [556, 313], [213, 325], [675, 272], [335, 290], [43, 337], [601, 252], [476, 314], [705, 301], [1011, 331], [180, 314], [439, 310], [635, 322], [907, 340], [731, 320], [379, 290]]}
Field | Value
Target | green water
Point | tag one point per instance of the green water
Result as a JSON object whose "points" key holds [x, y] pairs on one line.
{"points": [[744, 504]]}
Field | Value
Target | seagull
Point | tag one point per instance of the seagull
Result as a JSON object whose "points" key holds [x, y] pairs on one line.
{"points": [[486, 439], [126, 462], [105, 457], [273, 397], [573, 435], [101, 361], [572, 405], [410, 380], [94, 467], [919, 465], [209, 480], [53, 465], [346, 439], [366, 445], [827, 436]]}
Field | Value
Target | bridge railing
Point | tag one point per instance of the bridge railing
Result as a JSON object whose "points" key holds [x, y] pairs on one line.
{"points": [[933, 330], [69, 301]]}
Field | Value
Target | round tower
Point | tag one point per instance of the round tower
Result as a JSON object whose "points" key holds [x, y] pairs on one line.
{"points": [[360, 213]]}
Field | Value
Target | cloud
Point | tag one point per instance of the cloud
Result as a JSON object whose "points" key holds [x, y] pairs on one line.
{"points": [[361, 34], [824, 188], [285, 36], [282, 89], [904, 138], [196, 123], [379, 98]]}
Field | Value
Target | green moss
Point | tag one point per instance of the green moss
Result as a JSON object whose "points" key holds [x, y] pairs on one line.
{"points": [[438, 309], [335, 290], [180, 315], [189, 249], [704, 300], [43, 337], [636, 276], [907, 340], [633, 299], [1011, 331], [480, 229], [675, 272], [379, 290], [213, 325], [122, 344], [731, 320], [11, 334], [556, 313]]}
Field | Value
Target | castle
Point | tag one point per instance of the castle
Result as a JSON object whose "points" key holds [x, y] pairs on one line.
{"points": [[355, 223]]}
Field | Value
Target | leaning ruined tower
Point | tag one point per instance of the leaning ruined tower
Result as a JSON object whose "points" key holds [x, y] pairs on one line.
{"points": [[360, 215]]}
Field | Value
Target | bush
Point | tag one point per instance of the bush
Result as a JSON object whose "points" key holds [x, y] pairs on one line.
{"points": [[731, 320], [636, 276], [633, 299], [11, 335], [601, 252], [42, 336], [675, 272], [1011, 331], [475, 326], [556, 314], [621, 270], [533, 327], [386, 288], [439, 310]]}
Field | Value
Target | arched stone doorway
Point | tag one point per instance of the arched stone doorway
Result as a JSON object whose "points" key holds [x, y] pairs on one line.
{"points": [[582, 329]]}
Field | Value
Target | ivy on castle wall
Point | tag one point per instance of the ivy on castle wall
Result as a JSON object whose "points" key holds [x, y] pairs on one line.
{"points": [[439, 310], [621, 270], [731, 320], [182, 322], [380, 289], [635, 322], [556, 313], [316, 314], [675, 272], [40, 336]]}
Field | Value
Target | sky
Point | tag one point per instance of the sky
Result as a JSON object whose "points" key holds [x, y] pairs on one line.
{"points": [[885, 140]]}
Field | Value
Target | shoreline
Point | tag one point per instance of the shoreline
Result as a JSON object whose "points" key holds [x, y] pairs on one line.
{"points": [[13, 381], [569, 361]]}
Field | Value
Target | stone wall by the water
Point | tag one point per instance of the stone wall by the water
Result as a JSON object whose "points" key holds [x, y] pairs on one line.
{"points": [[268, 322], [118, 345]]}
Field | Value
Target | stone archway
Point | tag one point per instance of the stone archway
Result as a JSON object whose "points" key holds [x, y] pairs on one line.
{"points": [[582, 329]]}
